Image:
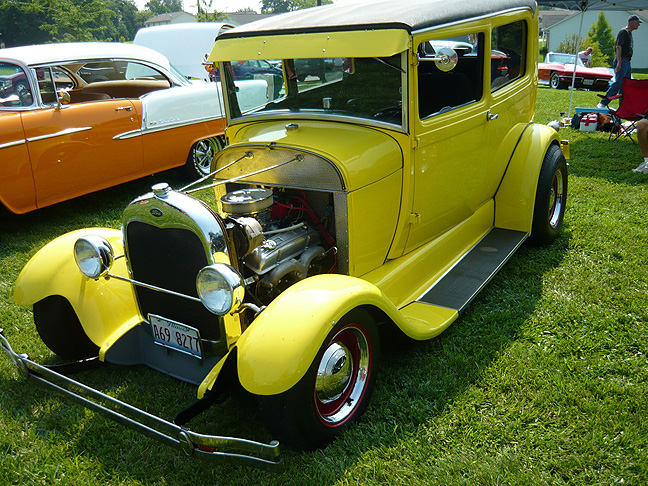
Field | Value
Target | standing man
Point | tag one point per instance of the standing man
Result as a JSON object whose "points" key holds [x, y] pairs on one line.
{"points": [[586, 57], [622, 68]]}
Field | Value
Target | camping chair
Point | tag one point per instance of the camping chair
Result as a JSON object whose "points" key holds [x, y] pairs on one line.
{"points": [[632, 107]]}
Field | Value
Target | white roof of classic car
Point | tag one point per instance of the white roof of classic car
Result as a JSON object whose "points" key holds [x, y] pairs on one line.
{"points": [[81, 51]]}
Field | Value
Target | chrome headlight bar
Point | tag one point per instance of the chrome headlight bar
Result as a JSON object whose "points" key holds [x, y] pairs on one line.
{"points": [[220, 286]]}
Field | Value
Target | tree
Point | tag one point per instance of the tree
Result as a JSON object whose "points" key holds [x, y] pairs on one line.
{"points": [[280, 6], [601, 33], [74, 20], [17, 21], [158, 7], [569, 45]]}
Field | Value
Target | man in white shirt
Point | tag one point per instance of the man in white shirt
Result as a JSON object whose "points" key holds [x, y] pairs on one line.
{"points": [[586, 57]]}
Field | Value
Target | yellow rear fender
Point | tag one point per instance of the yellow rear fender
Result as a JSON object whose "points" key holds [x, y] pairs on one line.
{"points": [[277, 349], [103, 306], [515, 197]]}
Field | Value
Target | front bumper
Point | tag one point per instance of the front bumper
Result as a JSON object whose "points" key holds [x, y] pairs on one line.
{"points": [[221, 449]]}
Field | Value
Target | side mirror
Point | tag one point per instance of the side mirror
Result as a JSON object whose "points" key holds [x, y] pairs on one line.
{"points": [[63, 98], [445, 59]]}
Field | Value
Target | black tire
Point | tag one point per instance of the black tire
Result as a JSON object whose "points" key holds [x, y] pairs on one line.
{"points": [[309, 416], [60, 329], [201, 155], [554, 81], [551, 198]]}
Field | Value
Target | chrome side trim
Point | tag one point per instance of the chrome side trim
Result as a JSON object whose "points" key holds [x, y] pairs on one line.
{"points": [[67, 131], [12, 144], [127, 135], [143, 131], [222, 449]]}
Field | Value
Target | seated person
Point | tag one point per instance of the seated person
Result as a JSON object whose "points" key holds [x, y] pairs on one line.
{"points": [[642, 136]]}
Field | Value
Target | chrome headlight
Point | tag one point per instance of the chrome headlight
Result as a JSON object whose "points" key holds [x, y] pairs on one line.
{"points": [[94, 256], [220, 288]]}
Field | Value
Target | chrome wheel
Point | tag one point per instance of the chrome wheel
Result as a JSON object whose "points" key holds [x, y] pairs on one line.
{"points": [[342, 375], [556, 199], [201, 156], [551, 198], [554, 80], [335, 390]]}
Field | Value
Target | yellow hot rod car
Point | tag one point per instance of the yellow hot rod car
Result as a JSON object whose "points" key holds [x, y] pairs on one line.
{"points": [[384, 191]]}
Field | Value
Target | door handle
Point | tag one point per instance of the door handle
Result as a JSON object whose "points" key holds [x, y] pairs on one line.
{"points": [[492, 116], [124, 108]]}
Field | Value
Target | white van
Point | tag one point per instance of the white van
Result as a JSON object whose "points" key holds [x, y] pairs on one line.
{"points": [[185, 45]]}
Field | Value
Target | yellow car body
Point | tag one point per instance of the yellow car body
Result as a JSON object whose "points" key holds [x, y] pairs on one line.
{"points": [[393, 169]]}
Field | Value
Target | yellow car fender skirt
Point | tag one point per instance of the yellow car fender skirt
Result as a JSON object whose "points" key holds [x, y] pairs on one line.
{"points": [[277, 349], [103, 306], [515, 197]]}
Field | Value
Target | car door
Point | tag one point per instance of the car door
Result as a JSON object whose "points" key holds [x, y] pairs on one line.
{"points": [[72, 148], [16, 183], [452, 148]]}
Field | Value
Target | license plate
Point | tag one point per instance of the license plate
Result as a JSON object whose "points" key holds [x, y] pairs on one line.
{"points": [[588, 82], [175, 335]]}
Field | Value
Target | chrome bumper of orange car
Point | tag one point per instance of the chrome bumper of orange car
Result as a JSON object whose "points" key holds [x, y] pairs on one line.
{"points": [[222, 449]]}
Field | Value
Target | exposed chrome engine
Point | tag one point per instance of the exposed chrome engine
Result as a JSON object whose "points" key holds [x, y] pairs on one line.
{"points": [[278, 237]]}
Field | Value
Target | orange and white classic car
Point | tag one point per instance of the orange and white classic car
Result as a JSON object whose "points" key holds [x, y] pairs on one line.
{"points": [[79, 117]]}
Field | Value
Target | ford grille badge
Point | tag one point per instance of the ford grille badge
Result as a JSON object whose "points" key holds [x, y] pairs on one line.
{"points": [[156, 212]]}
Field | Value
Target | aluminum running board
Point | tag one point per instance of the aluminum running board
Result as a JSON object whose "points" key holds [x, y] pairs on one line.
{"points": [[222, 449], [461, 284]]}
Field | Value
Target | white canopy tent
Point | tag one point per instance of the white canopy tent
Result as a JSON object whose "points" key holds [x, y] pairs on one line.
{"points": [[584, 5]]}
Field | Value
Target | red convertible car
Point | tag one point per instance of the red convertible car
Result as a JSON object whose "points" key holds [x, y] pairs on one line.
{"points": [[558, 69]]}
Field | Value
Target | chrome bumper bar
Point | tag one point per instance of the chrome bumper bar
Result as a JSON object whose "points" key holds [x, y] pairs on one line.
{"points": [[229, 450]]}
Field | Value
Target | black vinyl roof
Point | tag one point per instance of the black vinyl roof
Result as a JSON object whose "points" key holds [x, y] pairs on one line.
{"points": [[410, 15]]}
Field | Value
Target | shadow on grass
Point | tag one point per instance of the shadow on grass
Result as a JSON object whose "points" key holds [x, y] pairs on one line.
{"points": [[417, 382]]}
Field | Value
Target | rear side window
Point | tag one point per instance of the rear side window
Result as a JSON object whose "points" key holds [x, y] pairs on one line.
{"points": [[441, 91], [508, 49]]}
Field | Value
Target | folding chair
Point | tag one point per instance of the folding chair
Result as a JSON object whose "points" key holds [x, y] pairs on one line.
{"points": [[632, 107]]}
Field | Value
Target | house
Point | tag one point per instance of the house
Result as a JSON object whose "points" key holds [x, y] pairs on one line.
{"points": [[170, 18], [565, 28], [240, 18], [550, 17]]}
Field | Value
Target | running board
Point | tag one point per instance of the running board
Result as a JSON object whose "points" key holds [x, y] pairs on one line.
{"points": [[461, 284]]}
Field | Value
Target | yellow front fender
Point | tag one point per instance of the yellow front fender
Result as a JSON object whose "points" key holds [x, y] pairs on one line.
{"points": [[102, 306], [277, 349]]}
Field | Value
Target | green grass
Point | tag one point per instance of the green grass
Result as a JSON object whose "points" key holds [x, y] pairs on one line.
{"points": [[543, 381]]}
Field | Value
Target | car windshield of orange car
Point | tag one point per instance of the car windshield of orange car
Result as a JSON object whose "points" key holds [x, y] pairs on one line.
{"points": [[367, 88]]}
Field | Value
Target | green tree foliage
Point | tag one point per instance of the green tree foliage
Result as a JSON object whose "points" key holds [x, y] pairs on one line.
{"points": [[280, 6], [158, 7], [25, 22], [598, 58], [569, 45], [18, 23], [601, 33]]}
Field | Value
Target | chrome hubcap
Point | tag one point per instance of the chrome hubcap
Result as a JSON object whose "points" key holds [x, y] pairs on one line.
{"points": [[342, 375], [334, 373], [203, 156], [556, 199]]}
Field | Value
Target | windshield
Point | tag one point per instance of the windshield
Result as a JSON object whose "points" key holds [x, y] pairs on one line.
{"points": [[563, 59], [368, 88]]}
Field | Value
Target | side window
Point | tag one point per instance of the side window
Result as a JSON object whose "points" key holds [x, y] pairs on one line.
{"points": [[508, 49], [46, 85], [14, 86], [440, 91]]}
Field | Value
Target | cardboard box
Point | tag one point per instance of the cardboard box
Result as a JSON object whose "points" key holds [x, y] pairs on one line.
{"points": [[588, 122]]}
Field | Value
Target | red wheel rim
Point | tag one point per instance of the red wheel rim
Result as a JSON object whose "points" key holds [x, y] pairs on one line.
{"points": [[342, 375]]}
